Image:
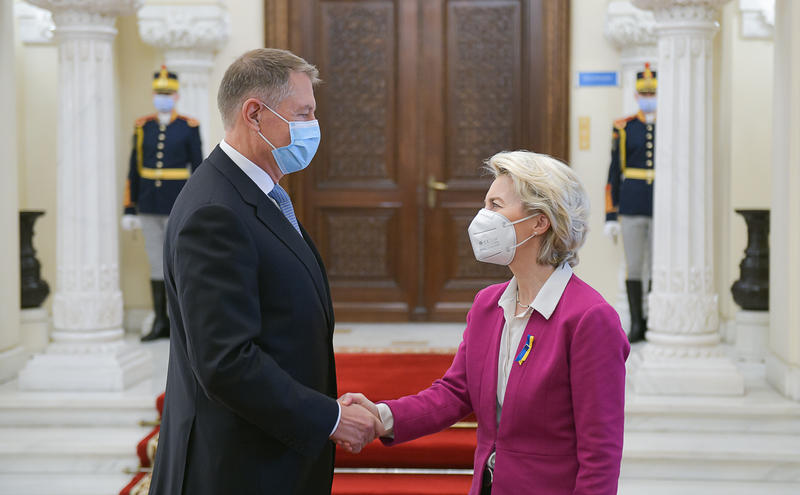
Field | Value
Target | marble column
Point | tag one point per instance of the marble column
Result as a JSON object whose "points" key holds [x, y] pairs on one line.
{"points": [[12, 354], [783, 360], [683, 355], [87, 351], [631, 31], [189, 35]]}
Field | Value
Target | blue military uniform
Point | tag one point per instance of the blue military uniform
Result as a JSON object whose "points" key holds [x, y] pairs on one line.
{"points": [[162, 159], [166, 150], [629, 190]]}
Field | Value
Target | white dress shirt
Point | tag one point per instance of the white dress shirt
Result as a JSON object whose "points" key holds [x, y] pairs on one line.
{"points": [[266, 184]]}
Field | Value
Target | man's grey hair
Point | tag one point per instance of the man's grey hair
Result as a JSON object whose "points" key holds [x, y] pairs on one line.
{"points": [[262, 73]]}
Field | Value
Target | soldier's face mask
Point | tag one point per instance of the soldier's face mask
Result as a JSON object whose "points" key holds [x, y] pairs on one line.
{"points": [[647, 104], [296, 155], [163, 103]]}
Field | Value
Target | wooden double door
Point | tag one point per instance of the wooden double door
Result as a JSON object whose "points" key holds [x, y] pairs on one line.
{"points": [[416, 95]]}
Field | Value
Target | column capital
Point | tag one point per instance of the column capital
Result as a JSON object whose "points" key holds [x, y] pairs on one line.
{"points": [[112, 8], [758, 18], [35, 24], [685, 11], [628, 26], [203, 27]]}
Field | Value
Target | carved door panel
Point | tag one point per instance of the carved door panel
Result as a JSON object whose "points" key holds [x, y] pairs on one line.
{"points": [[359, 196], [416, 95]]}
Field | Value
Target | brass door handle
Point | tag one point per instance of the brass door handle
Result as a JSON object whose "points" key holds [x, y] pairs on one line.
{"points": [[433, 186]]}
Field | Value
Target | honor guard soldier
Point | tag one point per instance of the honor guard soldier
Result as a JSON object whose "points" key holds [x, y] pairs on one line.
{"points": [[629, 192], [166, 149]]}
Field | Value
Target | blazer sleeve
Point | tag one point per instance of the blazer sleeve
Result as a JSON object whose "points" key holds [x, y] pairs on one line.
{"points": [[598, 352], [217, 288], [438, 406]]}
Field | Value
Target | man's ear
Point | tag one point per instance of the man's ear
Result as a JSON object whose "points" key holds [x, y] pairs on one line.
{"points": [[250, 112]]}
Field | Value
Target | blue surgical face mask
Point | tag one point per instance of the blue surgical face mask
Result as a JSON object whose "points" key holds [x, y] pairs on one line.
{"points": [[647, 104], [298, 154], [163, 103]]}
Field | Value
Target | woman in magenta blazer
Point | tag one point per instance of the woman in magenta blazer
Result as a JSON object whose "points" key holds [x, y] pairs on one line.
{"points": [[542, 360]]}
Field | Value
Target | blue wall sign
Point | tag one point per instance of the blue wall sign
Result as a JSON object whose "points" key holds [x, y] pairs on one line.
{"points": [[586, 79]]}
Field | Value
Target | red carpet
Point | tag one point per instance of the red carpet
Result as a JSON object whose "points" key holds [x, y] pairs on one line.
{"points": [[379, 377], [400, 484], [389, 376]]}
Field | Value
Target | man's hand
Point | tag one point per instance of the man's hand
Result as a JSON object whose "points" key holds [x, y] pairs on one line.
{"points": [[131, 222], [357, 428], [612, 230], [361, 400]]}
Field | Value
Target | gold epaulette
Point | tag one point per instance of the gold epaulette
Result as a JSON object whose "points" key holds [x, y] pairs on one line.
{"points": [[621, 123], [192, 122], [143, 120]]}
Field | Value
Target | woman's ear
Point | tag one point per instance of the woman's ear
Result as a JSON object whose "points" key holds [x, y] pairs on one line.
{"points": [[540, 224]]}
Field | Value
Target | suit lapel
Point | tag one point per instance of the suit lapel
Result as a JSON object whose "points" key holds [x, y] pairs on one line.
{"points": [[269, 214]]}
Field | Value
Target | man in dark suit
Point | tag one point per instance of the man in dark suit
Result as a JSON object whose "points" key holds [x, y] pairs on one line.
{"points": [[251, 389]]}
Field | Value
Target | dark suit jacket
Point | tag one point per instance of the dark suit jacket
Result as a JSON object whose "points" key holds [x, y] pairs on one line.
{"points": [[251, 386]]}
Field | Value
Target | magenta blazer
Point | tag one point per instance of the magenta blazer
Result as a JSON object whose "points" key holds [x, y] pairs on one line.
{"points": [[563, 414]]}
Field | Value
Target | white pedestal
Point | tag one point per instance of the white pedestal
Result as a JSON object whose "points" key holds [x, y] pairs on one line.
{"points": [[663, 372], [11, 361], [34, 329], [752, 331], [109, 367]]}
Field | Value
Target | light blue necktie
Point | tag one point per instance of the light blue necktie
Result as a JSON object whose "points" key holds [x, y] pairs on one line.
{"points": [[281, 197]]}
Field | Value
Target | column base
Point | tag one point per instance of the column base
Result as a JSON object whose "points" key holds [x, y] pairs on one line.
{"points": [[783, 376], [34, 329], [666, 370], [11, 361], [752, 330], [110, 367]]}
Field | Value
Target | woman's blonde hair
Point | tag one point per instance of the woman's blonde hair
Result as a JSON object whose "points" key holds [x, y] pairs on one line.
{"points": [[549, 187]]}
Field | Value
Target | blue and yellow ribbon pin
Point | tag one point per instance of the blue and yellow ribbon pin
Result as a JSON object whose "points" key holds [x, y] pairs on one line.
{"points": [[526, 350]]}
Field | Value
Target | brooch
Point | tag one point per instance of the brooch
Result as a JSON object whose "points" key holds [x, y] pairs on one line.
{"points": [[526, 350]]}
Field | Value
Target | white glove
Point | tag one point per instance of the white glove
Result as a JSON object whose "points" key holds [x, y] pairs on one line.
{"points": [[131, 222], [612, 230]]}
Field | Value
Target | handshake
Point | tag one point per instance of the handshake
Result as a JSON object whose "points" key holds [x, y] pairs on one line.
{"points": [[359, 425]]}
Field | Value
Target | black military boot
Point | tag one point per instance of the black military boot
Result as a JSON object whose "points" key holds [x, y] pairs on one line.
{"points": [[638, 324], [161, 323]]}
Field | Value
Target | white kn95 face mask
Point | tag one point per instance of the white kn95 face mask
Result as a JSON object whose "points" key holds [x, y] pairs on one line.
{"points": [[493, 237]]}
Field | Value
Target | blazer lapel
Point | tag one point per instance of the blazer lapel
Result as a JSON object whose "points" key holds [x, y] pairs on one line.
{"points": [[273, 219], [489, 380], [517, 372]]}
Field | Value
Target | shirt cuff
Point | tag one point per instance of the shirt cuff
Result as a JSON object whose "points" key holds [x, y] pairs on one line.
{"points": [[339, 418], [387, 418]]}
